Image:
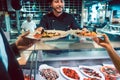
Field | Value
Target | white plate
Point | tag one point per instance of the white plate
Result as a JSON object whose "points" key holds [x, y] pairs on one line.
{"points": [[73, 32], [90, 37], [112, 67], [93, 68], [68, 78], [45, 66], [62, 34]]}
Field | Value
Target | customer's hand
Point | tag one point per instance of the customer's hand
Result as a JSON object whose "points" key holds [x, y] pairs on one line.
{"points": [[105, 42], [23, 42]]}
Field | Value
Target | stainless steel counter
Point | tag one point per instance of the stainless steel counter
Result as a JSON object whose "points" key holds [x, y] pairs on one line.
{"points": [[72, 55]]}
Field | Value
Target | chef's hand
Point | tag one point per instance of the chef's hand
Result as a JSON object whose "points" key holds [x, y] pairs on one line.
{"points": [[23, 42], [105, 42], [40, 29]]}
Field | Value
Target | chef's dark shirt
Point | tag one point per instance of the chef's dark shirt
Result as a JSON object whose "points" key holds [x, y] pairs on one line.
{"points": [[64, 22]]}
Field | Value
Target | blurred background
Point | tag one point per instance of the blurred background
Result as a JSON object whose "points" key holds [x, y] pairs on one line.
{"points": [[104, 15]]}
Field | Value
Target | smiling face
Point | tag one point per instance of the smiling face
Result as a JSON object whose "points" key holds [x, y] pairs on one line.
{"points": [[57, 5]]}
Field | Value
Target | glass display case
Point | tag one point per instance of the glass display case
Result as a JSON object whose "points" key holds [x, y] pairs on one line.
{"points": [[69, 51]]}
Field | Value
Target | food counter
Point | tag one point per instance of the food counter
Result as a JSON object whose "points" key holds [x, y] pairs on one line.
{"points": [[82, 75], [72, 59], [67, 51]]}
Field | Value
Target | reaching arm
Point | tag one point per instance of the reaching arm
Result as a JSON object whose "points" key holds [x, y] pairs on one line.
{"points": [[114, 57], [24, 43], [111, 51]]}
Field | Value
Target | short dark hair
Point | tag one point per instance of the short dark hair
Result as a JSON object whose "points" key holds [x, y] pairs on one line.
{"points": [[50, 1]]}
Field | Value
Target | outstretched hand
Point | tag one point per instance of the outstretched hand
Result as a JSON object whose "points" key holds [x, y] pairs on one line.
{"points": [[40, 29], [103, 42], [24, 43]]}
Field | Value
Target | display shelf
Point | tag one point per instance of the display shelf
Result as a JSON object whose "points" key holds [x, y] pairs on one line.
{"points": [[73, 63], [68, 57]]}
